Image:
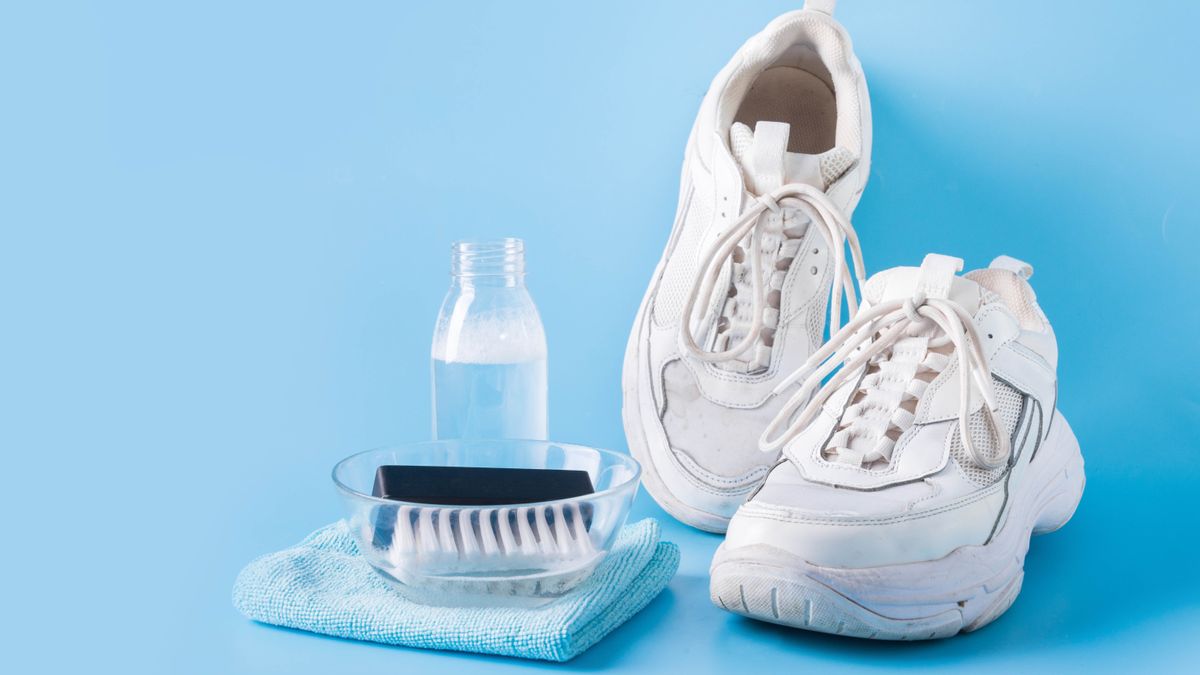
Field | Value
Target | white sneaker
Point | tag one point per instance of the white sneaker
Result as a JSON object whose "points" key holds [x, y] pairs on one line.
{"points": [[777, 159], [898, 512]]}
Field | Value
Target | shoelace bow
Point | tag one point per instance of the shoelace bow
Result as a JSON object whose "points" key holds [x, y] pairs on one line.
{"points": [[874, 331], [838, 231]]}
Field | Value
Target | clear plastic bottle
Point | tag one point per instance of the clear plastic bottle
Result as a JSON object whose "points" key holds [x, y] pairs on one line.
{"points": [[489, 348]]}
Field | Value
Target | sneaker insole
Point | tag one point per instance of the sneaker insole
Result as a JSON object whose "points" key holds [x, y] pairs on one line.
{"points": [[798, 98]]}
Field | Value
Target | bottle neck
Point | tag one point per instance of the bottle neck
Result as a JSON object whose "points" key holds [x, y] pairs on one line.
{"points": [[494, 262]]}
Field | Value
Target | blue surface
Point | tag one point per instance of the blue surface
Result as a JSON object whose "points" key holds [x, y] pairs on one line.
{"points": [[223, 241]]}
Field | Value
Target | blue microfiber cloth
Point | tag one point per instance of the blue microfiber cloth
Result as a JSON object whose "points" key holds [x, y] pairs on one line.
{"points": [[323, 585]]}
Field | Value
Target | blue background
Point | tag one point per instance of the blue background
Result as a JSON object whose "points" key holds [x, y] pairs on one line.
{"points": [[225, 232]]}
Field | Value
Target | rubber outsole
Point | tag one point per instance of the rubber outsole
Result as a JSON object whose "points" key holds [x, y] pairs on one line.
{"points": [[982, 582]]}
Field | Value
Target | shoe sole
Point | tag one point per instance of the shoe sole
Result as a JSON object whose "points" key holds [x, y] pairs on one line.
{"points": [[961, 592]]}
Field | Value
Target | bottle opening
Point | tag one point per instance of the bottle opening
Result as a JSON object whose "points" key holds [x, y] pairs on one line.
{"points": [[488, 257]]}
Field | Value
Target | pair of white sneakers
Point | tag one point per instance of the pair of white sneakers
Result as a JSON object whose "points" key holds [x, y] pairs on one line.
{"points": [[884, 484]]}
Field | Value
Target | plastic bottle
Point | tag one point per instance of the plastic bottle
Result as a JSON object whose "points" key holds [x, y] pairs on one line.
{"points": [[489, 348]]}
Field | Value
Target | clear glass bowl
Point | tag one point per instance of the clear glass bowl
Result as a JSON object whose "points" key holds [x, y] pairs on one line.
{"points": [[524, 554]]}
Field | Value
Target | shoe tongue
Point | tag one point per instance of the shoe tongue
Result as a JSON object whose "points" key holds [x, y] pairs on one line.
{"points": [[766, 163], [936, 278]]}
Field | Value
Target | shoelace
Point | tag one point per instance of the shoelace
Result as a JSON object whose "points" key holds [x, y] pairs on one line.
{"points": [[838, 231], [874, 331]]}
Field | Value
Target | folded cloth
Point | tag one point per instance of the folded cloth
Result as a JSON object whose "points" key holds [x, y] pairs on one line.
{"points": [[323, 585]]}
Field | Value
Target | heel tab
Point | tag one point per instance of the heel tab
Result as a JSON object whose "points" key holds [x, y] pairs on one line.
{"points": [[822, 6], [1017, 267]]}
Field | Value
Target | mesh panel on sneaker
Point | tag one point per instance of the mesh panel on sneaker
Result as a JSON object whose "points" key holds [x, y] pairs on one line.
{"points": [[816, 323], [835, 163], [1014, 291], [681, 268], [1011, 401], [740, 140]]}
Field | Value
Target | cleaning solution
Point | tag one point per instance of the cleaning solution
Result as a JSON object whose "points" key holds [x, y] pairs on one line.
{"points": [[489, 348]]}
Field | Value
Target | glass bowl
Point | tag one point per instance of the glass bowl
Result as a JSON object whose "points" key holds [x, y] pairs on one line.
{"points": [[521, 554]]}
